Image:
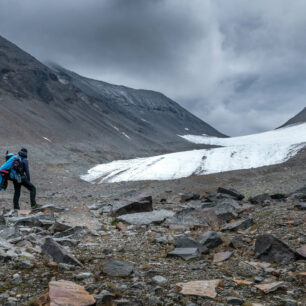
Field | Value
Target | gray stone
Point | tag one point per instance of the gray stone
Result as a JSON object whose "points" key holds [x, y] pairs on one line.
{"points": [[105, 298], [226, 210], [59, 227], [270, 249], [143, 204], [210, 239], [82, 276], [185, 253], [159, 280], [145, 218], [231, 192], [194, 217], [58, 254], [115, 267], [189, 196], [240, 224], [65, 267]]}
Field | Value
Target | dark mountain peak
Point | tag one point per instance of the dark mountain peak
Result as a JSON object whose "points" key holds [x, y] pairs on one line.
{"points": [[299, 118], [41, 102]]}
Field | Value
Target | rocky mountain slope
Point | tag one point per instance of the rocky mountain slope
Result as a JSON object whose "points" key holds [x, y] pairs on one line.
{"points": [[40, 104], [299, 118]]}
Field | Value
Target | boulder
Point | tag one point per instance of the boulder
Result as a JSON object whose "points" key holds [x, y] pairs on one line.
{"points": [[58, 254], [233, 193], [156, 217], [189, 197], [114, 267], [134, 206], [210, 239], [270, 249]]}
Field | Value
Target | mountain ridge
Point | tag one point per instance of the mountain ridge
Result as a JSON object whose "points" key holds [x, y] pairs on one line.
{"points": [[38, 101]]}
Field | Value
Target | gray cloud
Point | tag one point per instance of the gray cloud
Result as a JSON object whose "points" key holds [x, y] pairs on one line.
{"points": [[238, 65]]}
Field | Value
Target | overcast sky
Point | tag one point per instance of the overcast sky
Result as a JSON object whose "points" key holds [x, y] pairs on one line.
{"points": [[239, 65]]}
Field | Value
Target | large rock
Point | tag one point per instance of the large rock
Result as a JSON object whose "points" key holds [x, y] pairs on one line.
{"points": [[231, 192], [58, 254], [116, 267], [156, 216], [210, 239], [185, 253], [65, 293], [79, 216], [270, 249], [226, 209], [194, 217], [134, 206]]}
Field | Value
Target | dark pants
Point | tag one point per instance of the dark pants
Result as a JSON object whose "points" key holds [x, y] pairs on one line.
{"points": [[29, 186]]}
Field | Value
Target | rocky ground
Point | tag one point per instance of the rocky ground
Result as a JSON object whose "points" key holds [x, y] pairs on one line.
{"points": [[90, 235]]}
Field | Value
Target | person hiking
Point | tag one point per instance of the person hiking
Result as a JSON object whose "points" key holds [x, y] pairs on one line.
{"points": [[25, 181]]}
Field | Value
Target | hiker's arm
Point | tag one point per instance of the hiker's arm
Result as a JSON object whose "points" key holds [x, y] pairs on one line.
{"points": [[26, 169]]}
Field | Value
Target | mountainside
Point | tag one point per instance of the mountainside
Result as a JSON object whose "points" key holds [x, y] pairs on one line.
{"points": [[299, 118], [39, 103]]}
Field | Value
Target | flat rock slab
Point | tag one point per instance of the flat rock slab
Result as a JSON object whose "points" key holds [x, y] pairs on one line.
{"points": [[194, 217], [222, 256], [143, 204], [238, 225], [79, 216], [58, 254], [231, 192], [65, 293], [185, 253], [205, 288], [115, 267], [270, 249], [270, 287], [156, 216]]}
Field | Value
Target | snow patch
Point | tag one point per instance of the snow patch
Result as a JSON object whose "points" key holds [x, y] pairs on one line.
{"points": [[186, 129], [243, 152], [124, 134], [45, 138]]}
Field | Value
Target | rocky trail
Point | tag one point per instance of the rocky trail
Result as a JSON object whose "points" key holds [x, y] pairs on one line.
{"points": [[186, 249]]}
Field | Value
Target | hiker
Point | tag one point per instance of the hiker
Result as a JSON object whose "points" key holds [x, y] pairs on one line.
{"points": [[25, 181]]}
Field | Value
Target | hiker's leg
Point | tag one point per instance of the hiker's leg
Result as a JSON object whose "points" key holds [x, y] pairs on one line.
{"points": [[32, 190], [17, 188]]}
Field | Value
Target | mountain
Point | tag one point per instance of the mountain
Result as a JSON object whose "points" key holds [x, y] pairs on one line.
{"points": [[41, 103], [244, 152], [299, 118]]}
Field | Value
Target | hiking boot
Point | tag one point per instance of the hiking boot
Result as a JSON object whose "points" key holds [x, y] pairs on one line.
{"points": [[35, 206]]}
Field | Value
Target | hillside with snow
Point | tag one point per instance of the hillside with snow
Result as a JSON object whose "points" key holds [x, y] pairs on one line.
{"points": [[234, 153]]}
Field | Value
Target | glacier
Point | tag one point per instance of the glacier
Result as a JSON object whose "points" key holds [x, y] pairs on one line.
{"points": [[234, 153]]}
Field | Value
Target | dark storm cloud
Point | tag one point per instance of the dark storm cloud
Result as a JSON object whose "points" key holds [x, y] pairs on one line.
{"points": [[239, 65]]}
